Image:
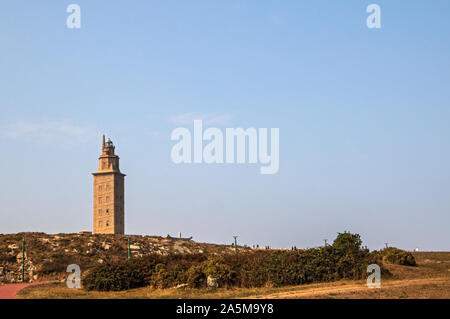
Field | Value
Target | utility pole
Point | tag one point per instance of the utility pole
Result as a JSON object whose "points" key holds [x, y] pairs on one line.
{"points": [[386, 244], [23, 260], [235, 243], [129, 252], [325, 240]]}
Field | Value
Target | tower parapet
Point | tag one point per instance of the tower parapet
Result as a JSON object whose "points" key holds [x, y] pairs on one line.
{"points": [[108, 161], [109, 214]]}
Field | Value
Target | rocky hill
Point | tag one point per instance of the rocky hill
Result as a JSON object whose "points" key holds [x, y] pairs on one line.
{"points": [[47, 256]]}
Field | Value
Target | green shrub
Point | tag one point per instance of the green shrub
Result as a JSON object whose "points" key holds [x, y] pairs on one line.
{"points": [[216, 268], [120, 276], [57, 264], [256, 268], [196, 278], [347, 241], [155, 270], [398, 256]]}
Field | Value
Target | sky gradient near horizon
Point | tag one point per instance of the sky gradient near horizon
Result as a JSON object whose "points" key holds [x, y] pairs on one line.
{"points": [[364, 117]]}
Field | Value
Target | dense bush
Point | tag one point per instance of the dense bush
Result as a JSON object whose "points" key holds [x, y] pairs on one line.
{"points": [[110, 277], [7, 258], [398, 256], [217, 268], [196, 278], [155, 270], [252, 269], [279, 268], [57, 264], [347, 241]]}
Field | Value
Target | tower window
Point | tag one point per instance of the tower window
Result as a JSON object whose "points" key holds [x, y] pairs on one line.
{"points": [[99, 200], [107, 211], [107, 223], [107, 199], [99, 211], [99, 188]]}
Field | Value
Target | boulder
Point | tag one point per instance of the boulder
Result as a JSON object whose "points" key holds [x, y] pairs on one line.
{"points": [[181, 286], [10, 277], [212, 282], [19, 257]]}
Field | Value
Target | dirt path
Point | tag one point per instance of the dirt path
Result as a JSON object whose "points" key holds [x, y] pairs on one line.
{"points": [[9, 291], [303, 292]]}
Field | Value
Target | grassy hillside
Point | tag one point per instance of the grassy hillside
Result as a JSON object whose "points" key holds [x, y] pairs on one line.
{"points": [[47, 256]]}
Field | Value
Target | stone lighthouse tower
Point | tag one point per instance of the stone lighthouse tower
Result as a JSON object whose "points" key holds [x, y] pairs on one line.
{"points": [[109, 214]]}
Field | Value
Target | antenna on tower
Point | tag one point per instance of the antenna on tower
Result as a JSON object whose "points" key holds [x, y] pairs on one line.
{"points": [[103, 141]]}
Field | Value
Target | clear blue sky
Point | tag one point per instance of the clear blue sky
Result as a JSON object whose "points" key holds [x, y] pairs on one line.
{"points": [[364, 117]]}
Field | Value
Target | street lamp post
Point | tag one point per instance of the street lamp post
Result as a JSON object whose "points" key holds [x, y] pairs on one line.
{"points": [[129, 252], [23, 260], [235, 243]]}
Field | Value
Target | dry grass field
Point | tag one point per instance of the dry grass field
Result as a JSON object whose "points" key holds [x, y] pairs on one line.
{"points": [[430, 279]]}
